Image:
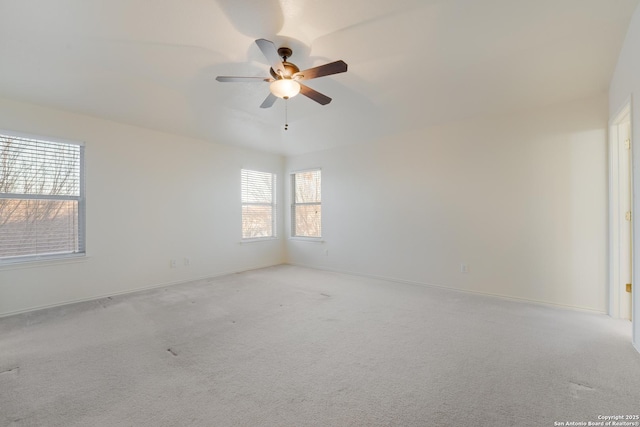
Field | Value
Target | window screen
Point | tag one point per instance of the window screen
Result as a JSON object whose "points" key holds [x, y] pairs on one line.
{"points": [[306, 210], [258, 204], [41, 198]]}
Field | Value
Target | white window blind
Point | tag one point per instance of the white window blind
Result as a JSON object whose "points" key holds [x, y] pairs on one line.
{"points": [[41, 198], [258, 204], [306, 209]]}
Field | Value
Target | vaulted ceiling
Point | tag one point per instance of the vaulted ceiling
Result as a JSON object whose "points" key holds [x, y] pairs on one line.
{"points": [[412, 63]]}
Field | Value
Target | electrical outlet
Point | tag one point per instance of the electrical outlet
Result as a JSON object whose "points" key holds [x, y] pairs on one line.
{"points": [[464, 268], [173, 263], [187, 262], [326, 252]]}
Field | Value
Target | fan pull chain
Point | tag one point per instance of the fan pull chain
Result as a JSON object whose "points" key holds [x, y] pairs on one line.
{"points": [[286, 114]]}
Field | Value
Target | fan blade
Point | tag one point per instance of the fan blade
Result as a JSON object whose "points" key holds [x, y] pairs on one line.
{"points": [[243, 79], [321, 71], [315, 95], [271, 53], [268, 101]]}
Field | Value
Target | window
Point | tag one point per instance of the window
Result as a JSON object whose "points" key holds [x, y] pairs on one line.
{"points": [[41, 198], [306, 218], [258, 204]]}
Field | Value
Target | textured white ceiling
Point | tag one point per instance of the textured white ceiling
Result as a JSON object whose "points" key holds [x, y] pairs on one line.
{"points": [[412, 63]]}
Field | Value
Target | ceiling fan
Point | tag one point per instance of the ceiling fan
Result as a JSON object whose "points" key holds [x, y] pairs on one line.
{"points": [[286, 77]]}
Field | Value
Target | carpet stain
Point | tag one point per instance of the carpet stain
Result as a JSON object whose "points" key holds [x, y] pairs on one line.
{"points": [[576, 388], [173, 352], [15, 369], [104, 302], [325, 295]]}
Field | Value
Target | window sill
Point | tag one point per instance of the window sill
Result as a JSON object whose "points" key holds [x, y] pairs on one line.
{"points": [[42, 262], [307, 239], [258, 240]]}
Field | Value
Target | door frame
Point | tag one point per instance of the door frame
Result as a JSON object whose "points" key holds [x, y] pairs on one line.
{"points": [[618, 250]]}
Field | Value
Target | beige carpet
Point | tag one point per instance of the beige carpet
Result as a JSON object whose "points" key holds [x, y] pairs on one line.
{"points": [[289, 346]]}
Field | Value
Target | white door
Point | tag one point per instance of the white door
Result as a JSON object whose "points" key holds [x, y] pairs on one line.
{"points": [[620, 215], [626, 232]]}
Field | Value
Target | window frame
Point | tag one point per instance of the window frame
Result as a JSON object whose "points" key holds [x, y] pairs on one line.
{"points": [[273, 204], [295, 204], [80, 199]]}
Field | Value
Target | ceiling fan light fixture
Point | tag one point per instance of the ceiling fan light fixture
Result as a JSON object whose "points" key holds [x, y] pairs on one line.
{"points": [[285, 76], [285, 88]]}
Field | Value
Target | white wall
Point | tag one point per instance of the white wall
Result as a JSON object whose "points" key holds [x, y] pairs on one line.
{"points": [[151, 197], [521, 199], [625, 84]]}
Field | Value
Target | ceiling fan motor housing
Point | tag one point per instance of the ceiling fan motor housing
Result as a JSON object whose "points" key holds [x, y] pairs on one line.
{"points": [[289, 70]]}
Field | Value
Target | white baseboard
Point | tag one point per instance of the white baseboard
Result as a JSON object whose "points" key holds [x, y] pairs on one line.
{"points": [[431, 285], [131, 291], [352, 273]]}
